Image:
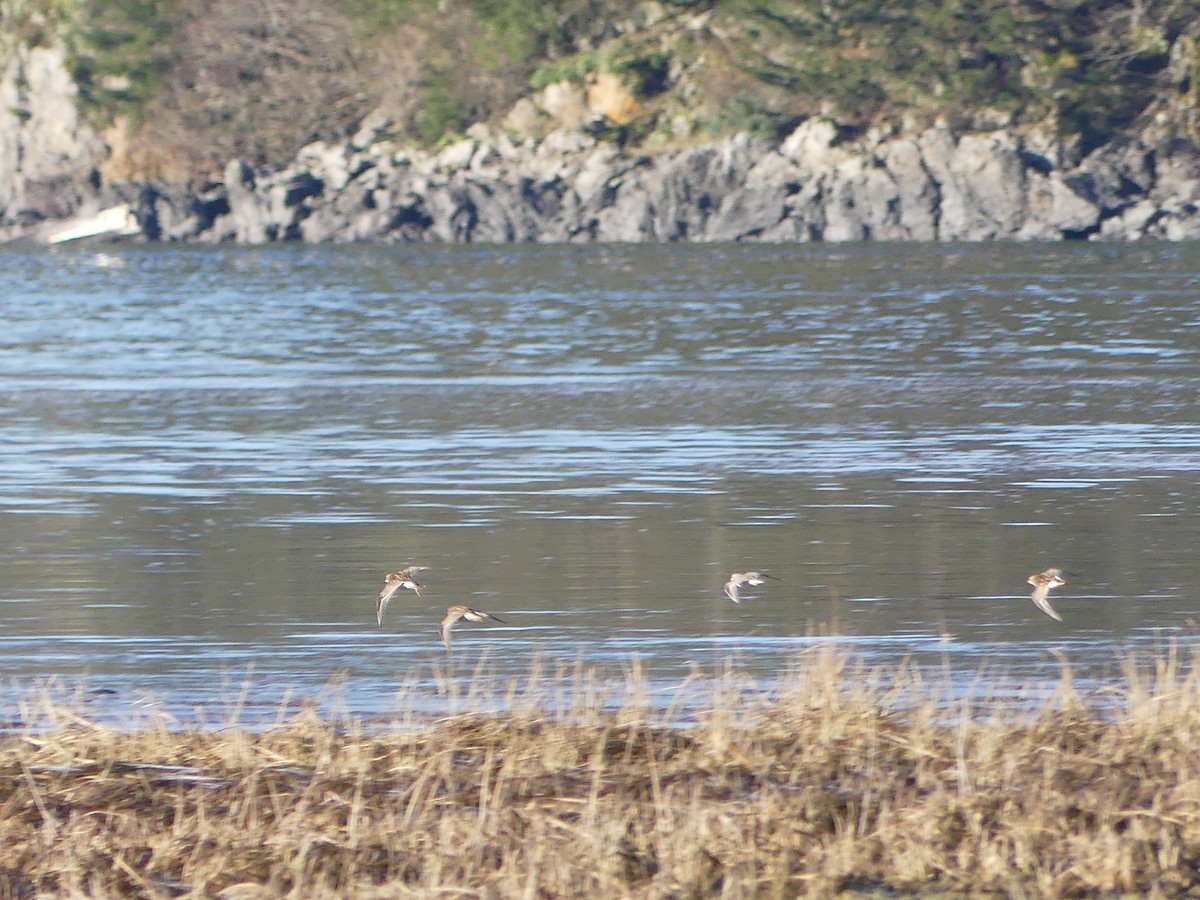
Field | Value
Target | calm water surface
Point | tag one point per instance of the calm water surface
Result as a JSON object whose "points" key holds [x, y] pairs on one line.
{"points": [[211, 457]]}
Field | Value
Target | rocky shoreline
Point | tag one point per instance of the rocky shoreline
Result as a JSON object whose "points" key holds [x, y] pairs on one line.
{"points": [[817, 185], [822, 183]]}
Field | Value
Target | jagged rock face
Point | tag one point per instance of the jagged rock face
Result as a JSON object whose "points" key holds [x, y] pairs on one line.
{"points": [[48, 159], [933, 185]]}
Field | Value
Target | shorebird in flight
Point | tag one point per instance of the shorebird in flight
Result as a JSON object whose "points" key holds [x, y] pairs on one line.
{"points": [[456, 614], [393, 582], [737, 579], [1042, 583]]}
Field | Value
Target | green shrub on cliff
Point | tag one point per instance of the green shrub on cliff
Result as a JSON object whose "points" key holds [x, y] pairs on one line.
{"points": [[572, 68], [1092, 67], [120, 52]]}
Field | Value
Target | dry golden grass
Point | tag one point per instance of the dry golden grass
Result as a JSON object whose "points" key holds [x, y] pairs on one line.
{"points": [[845, 781]]}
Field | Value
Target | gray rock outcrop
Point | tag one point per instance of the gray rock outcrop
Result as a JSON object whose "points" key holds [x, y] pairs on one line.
{"points": [[48, 159], [818, 184]]}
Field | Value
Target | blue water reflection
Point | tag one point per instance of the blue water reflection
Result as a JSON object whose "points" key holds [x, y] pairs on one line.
{"points": [[211, 456]]}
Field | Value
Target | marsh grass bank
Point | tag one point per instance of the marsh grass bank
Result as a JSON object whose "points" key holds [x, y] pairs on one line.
{"points": [[843, 780]]}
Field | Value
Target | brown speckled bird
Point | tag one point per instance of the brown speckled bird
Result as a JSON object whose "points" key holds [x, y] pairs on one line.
{"points": [[1042, 583], [393, 582], [737, 579], [456, 614]]}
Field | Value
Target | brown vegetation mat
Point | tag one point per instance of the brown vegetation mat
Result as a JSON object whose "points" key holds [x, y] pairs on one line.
{"points": [[841, 783]]}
